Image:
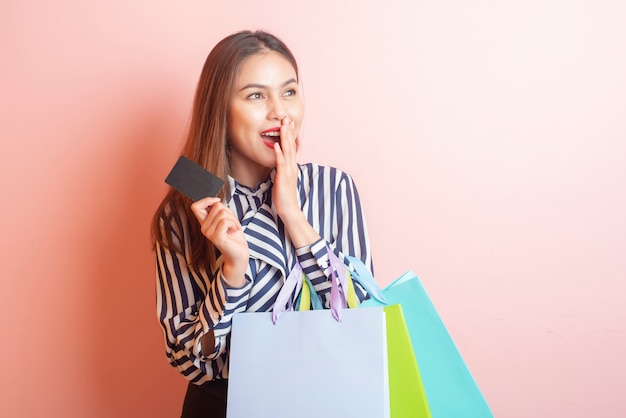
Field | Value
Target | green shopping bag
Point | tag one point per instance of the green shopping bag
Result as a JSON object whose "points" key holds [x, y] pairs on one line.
{"points": [[407, 397]]}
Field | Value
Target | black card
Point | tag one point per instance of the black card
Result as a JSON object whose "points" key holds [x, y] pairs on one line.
{"points": [[193, 180]]}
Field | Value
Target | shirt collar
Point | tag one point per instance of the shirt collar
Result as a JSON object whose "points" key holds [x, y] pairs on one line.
{"points": [[258, 191]]}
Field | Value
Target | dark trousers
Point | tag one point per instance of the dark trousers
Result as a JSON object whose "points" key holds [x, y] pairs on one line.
{"points": [[205, 401]]}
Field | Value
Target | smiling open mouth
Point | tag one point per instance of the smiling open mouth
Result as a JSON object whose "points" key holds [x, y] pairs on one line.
{"points": [[273, 136]]}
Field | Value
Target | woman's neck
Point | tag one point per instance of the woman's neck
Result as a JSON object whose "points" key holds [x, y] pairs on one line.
{"points": [[250, 177]]}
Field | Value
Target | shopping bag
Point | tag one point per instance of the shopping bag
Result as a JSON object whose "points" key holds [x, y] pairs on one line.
{"points": [[450, 387], [315, 363], [407, 397]]}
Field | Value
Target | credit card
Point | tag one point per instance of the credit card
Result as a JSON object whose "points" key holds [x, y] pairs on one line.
{"points": [[193, 180]]}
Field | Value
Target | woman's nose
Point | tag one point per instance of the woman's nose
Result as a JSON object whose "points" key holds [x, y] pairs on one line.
{"points": [[277, 109]]}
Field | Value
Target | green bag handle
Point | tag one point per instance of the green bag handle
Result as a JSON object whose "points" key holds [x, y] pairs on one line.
{"points": [[309, 299]]}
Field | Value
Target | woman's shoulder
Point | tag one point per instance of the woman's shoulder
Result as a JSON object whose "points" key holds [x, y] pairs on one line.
{"points": [[172, 218], [314, 170]]}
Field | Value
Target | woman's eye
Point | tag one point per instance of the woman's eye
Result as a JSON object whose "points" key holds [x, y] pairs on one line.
{"points": [[290, 92], [255, 96]]}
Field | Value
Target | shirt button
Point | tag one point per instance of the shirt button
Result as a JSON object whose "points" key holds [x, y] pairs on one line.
{"points": [[216, 316]]}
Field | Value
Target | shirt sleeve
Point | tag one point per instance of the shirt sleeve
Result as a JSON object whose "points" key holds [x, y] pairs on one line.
{"points": [[347, 236], [190, 304]]}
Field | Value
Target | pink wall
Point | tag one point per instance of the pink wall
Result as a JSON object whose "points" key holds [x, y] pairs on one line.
{"points": [[487, 139]]}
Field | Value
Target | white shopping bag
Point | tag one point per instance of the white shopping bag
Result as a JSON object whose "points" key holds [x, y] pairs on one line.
{"points": [[309, 364]]}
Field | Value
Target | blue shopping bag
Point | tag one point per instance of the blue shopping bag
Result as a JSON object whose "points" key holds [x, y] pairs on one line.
{"points": [[450, 387]]}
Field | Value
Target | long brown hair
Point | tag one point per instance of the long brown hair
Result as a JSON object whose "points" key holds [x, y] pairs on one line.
{"points": [[206, 142]]}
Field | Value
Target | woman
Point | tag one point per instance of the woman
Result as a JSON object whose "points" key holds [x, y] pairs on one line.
{"points": [[231, 253]]}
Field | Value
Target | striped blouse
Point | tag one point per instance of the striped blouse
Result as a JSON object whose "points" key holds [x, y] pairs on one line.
{"points": [[190, 303]]}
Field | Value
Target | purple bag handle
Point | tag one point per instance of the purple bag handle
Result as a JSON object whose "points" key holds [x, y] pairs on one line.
{"points": [[293, 285]]}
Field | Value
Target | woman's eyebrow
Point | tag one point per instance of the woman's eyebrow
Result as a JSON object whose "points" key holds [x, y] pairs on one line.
{"points": [[263, 86]]}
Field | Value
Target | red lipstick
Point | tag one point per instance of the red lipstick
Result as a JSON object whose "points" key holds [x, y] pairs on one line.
{"points": [[276, 129]]}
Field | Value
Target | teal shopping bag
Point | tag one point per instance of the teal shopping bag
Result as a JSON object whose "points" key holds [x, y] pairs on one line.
{"points": [[450, 387]]}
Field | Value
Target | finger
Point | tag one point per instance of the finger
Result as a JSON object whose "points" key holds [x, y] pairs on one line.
{"points": [[280, 159], [205, 202], [288, 152], [216, 212], [201, 207], [226, 226], [209, 228], [219, 213], [287, 134], [222, 229]]}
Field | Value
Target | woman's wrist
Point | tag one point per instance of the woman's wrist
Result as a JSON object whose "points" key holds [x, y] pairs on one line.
{"points": [[234, 274], [300, 230]]}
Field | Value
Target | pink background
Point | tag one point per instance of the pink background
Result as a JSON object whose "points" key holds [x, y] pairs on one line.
{"points": [[487, 139]]}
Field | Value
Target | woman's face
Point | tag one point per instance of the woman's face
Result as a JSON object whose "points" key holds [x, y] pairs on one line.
{"points": [[265, 91]]}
